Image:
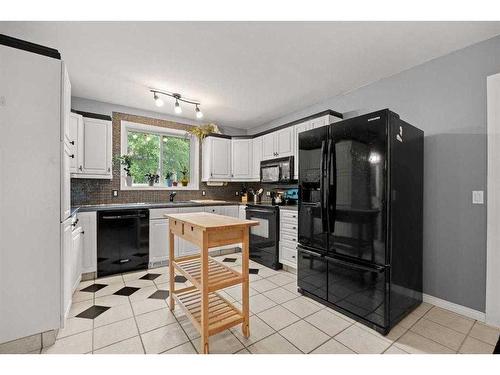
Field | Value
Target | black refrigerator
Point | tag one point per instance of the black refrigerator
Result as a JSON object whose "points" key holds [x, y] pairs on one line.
{"points": [[360, 217]]}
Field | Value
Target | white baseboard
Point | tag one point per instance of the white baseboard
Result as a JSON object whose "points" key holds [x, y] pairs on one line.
{"points": [[459, 309]]}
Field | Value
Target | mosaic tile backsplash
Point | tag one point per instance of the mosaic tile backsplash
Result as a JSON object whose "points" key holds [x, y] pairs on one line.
{"points": [[90, 191]]}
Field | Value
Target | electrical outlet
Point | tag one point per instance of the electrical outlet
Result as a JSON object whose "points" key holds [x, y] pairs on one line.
{"points": [[115, 193], [237, 193], [268, 193], [477, 197], [203, 193]]}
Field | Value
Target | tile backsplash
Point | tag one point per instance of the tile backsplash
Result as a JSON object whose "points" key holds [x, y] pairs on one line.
{"points": [[93, 191]]}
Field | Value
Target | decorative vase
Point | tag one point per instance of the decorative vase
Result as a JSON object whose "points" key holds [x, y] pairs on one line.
{"points": [[128, 180], [151, 182], [184, 182], [169, 182], [174, 183]]}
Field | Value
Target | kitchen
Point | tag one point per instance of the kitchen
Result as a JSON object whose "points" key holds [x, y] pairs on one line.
{"points": [[342, 253]]}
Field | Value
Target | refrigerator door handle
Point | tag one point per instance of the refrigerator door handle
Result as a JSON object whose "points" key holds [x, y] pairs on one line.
{"points": [[324, 218], [327, 193], [374, 268], [310, 252]]}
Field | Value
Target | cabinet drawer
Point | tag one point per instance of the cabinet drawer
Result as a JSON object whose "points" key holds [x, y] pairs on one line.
{"points": [[289, 254], [288, 216], [288, 226], [288, 236], [159, 213]]}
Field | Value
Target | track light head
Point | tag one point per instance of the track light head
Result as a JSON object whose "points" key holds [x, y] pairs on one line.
{"points": [[177, 107], [199, 113], [158, 100]]}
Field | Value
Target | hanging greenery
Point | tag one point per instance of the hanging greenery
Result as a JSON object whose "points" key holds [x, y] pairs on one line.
{"points": [[204, 130]]}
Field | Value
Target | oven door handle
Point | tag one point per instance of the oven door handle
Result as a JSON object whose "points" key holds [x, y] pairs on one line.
{"points": [[260, 211], [310, 252]]}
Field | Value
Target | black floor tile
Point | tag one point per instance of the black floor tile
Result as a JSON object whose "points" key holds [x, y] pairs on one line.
{"points": [[253, 271], [229, 260], [160, 294], [94, 288], [93, 312], [126, 291], [180, 279], [150, 276]]}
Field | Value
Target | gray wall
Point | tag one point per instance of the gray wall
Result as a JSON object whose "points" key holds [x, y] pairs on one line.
{"points": [[89, 105], [445, 97]]}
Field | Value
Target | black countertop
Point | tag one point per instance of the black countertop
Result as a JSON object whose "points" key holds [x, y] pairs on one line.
{"points": [[126, 206], [179, 204]]}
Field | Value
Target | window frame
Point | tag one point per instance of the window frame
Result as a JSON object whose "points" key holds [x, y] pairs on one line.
{"points": [[194, 156]]}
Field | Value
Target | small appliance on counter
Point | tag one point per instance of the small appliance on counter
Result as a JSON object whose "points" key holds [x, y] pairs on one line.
{"points": [[284, 197]]}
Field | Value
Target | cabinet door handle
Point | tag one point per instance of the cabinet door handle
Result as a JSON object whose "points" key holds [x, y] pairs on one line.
{"points": [[72, 156], [72, 143], [109, 169], [83, 232], [294, 227], [80, 168]]}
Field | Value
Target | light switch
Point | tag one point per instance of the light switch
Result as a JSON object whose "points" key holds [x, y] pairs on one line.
{"points": [[477, 197]]}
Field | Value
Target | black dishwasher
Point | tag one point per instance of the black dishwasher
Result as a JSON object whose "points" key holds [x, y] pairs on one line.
{"points": [[122, 241]]}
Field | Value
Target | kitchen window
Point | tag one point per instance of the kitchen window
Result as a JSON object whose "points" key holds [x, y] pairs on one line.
{"points": [[161, 151]]}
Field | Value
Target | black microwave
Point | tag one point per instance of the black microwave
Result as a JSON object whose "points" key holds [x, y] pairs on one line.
{"points": [[277, 170]]}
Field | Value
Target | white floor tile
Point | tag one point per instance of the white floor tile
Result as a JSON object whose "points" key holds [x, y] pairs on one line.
{"points": [[147, 305], [332, 346], [328, 322], [114, 332], [186, 348], [128, 346], [279, 295], [361, 341], [278, 317], [414, 343], [441, 334], [258, 331], [163, 338], [154, 319], [80, 343], [301, 306], [274, 344], [304, 336], [73, 326], [114, 314], [221, 343]]}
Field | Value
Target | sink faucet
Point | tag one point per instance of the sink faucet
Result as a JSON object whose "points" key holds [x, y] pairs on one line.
{"points": [[172, 195]]}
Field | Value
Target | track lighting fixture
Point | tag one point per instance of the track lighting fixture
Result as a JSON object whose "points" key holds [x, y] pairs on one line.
{"points": [[178, 98]]}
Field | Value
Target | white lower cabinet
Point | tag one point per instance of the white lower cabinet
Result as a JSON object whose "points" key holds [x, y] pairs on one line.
{"points": [[159, 242], [88, 223], [242, 212], [288, 237], [76, 256], [66, 229], [232, 211]]}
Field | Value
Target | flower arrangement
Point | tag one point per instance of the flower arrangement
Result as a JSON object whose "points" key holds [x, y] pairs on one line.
{"points": [[152, 178], [202, 131]]}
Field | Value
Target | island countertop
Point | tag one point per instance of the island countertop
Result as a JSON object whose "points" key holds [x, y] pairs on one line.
{"points": [[209, 221]]}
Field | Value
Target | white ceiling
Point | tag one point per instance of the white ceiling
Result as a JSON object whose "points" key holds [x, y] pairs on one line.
{"points": [[244, 73]]}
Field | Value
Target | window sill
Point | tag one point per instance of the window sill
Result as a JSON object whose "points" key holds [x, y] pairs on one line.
{"points": [[159, 187]]}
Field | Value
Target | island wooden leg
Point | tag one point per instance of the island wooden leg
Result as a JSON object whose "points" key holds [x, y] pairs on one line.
{"points": [[245, 326], [204, 295], [171, 270]]}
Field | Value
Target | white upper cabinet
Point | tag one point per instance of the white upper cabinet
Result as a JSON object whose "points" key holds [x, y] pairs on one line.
{"points": [[241, 159], [65, 105], [94, 148], [299, 128], [268, 147], [216, 159], [256, 157], [278, 144], [75, 122]]}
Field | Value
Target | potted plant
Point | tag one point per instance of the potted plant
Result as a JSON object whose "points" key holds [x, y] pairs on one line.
{"points": [[126, 161], [203, 130], [168, 178], [184, 171], [152, 178], [174, 183]]}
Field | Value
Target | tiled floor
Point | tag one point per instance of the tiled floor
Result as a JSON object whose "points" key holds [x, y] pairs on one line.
{"points": [[133, 317]]}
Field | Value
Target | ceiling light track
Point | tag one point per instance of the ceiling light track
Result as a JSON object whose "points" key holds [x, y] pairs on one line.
{"points": [[178, 98]]}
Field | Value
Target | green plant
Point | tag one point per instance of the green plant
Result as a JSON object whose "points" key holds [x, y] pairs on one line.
{"points": [[203, 130], [152, 177], [125, 160], [169, 174], [184, 171]]}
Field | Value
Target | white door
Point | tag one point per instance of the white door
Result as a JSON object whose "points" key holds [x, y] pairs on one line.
{"points": [[185, 247], [232, 211], [299, 128], [66, 182], [241, 159], [65, 105], [76, 257], [96, 149], [268, 146], [158, 241], [493, 202], [284, 142], [221, 158], [75, 121], [256, 157], [66, 271], [88, 222]]}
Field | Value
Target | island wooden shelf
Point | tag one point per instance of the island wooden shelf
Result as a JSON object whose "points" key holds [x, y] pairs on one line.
{"points": [[208, 311]]}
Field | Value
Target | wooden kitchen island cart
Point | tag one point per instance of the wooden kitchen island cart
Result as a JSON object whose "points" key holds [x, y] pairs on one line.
{"points": [[208, 311]]}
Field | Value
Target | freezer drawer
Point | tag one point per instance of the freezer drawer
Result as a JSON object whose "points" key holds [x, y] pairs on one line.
{"points": [[359, 289], [312, 272]]}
